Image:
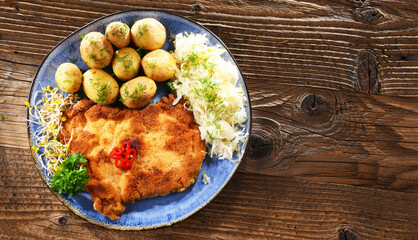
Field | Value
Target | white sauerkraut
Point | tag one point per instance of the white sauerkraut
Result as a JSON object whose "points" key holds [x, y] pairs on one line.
{"points": [[208, 83]]}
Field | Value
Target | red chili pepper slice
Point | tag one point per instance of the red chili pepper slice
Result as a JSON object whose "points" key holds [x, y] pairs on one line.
{"points": [[130, 154], [126, 146], [115, 152], [123, 155], [126, 164], [119, 162]]}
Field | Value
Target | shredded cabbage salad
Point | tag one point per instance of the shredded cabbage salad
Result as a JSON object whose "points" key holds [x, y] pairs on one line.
{"points": [[208, 83], [48, 114]]}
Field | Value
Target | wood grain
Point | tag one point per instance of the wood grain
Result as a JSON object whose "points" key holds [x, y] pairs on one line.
{"points": [[334, 91], [250, 207], [334, 136], [293, 43]]}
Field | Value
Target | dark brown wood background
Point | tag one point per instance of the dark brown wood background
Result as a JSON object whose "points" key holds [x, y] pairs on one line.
{"points": [[334, 146]]}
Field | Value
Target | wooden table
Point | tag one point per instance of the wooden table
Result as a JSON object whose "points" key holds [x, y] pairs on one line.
{"points": [[334, 146]]}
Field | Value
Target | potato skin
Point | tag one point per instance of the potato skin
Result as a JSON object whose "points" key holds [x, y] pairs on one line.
{"points": [[119, 34], [126, 63], [148, 33], [138, 92], [96, 51], [68, 77], [100, 87], [159, 65]]}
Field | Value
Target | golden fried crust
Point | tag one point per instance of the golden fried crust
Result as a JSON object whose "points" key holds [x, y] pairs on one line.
{"points": [[169, 149]]}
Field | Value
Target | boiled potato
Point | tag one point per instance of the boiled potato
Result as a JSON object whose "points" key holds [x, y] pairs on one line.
{"points": [[138, 92], [100, 87], [119, 34], [148, 33], [96, 51], [126, 63], [68, 77], [159, 65]]}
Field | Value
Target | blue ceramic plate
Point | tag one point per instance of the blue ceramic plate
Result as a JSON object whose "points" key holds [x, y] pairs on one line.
{"points": [[158, 211]]}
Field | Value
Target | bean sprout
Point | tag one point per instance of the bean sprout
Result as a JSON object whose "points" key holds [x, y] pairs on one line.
{"points": [[49, 115]]}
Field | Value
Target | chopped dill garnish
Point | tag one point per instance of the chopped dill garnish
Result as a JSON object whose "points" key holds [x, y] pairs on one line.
{"points": [[120, 31], [93, 41], [127, 64], [3, 117], [141, 30], [139, 91], [73, 60], [152, 65], [82, 35], [105, 49], [92, 57], [102, 93], [140, 51]]}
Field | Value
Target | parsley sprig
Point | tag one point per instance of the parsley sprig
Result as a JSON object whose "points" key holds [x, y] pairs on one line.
{"points": [[72, 177]]}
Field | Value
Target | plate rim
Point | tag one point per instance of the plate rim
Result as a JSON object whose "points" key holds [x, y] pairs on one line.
{"points": [[138, 227]]}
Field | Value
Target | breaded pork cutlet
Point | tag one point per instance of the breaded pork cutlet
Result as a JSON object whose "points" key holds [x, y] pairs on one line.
{"points": [[169, 150]]}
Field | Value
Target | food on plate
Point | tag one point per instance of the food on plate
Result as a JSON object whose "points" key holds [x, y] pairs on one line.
{"points": [[209, 83], [126, 63], [48, 114], [148, 33], [159, 65], [100, 87], [138, 92], [68, 77], [96, 51], [169, 150], [119, 34], [72, 177]]}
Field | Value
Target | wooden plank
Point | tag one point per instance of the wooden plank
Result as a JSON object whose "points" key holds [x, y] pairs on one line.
{"points": [[308, 133], [250, 207], [357, 46], [334, 136]]}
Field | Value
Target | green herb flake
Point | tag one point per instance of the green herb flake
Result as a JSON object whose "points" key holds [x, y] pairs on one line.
{"points": [[152, 65], [3, 117], [102, 93], [141, 31], [73, 60], [139, 91], [82, 35]]}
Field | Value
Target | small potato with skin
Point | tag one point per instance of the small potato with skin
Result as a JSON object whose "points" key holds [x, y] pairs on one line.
{"points": [[138, 92], [119, 34], [159, 65], [96, 51], [100, 87], [126, 63], [68, 77], [148, 33]]}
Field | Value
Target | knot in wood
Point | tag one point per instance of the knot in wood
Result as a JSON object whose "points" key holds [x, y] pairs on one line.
{"points": [[264, 153], [367, 73], [62, 221], [370, 15], [260, 146], [345, 233], [314, 105], [197, 8]]}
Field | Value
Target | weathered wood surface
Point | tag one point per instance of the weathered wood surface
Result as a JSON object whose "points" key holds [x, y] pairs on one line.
{"points": [[334, 91], [251, 206]]}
